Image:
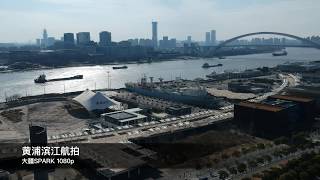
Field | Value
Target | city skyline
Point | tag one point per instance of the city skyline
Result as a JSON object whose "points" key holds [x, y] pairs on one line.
{"points": [[176, 18]]}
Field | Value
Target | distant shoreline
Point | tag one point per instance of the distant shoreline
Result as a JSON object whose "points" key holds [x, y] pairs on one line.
{"points": [[100, 64]]}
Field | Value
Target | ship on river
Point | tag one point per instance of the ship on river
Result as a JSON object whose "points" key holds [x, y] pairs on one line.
{"points": [[42, 78], [174, 91], [280, 53], [206, 65], [120, 67]]}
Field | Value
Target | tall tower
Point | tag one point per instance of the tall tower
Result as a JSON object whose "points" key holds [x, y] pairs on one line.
{"points": [[213, 37], [208, 39], [155, 34], [45, 38], [189, 40]]}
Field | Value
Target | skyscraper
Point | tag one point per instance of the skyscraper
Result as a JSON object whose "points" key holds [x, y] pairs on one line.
{"points": [[189, 40], [208, 39], [213, 37], [68, 38], [50, 41], [83, 38], [155, 34], [44, 41], [105, 38], [38, 42]]}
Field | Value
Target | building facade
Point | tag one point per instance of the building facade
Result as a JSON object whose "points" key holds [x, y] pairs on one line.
{"points": [[155, 34], [207, 39], [83, 38], [105, 38], [213, 37], [68, 38], [275, 116]]}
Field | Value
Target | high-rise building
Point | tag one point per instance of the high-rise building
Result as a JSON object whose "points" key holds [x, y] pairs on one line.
{"points": [[155, 34], [44, 41], [208, 39], [213, 37], [173, 43], [50, 41], [134, 42], [105, 38], [165, 43], [38, 42], [68, 38], [146, 42], [189, 40], [83, 38]]}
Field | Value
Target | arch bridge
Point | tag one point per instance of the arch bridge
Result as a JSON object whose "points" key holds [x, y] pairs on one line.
{"points": [[311, 43]]}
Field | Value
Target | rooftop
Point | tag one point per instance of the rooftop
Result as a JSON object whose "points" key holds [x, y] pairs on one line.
{"points": [[292, 98], [261, 106], [125, 115], [279, 102], [121, 115]]}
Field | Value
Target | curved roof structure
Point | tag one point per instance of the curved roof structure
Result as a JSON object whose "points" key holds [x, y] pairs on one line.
{"points": [[95, 101]]}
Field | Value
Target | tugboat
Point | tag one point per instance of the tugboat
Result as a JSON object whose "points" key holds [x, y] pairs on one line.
{"points": [[41, 79], [206, 65], [120, 67], [280, 53]]}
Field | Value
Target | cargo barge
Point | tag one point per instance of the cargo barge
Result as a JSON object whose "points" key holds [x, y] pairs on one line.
{"points": [[42, 78]]}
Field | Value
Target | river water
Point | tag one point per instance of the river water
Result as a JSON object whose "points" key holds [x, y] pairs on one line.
{"points": [[95, 77]]}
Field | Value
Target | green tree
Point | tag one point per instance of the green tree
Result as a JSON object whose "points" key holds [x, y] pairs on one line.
{"points": [[304, 175], [252, 164], [224, 156], [233, 170], [223, 174], [261, 146], [242, 167], [281, 140], [267, 158], [291, 175], [260, 160], [236, 153]]}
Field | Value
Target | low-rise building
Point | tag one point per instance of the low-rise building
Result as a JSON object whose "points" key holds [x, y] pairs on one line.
{"points": [[178, 110], [123, 118]]}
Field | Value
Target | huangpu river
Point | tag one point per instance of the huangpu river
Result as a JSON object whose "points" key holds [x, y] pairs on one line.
{"points": [[96, 77]]}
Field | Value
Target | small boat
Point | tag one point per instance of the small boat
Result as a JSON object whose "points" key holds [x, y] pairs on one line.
{"points": [[221, 57], [42, 78], [206, 65], [120, 67], [280, 53]]}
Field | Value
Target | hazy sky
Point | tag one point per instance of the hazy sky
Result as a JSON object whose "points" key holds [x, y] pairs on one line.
{"points": [[23, 20]]}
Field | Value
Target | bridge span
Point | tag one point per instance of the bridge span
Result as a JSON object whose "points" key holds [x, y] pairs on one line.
{"points": [[306, 41]]}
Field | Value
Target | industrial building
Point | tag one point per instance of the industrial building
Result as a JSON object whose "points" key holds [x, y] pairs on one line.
{"points": [[123, 118], [277, 115]]}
